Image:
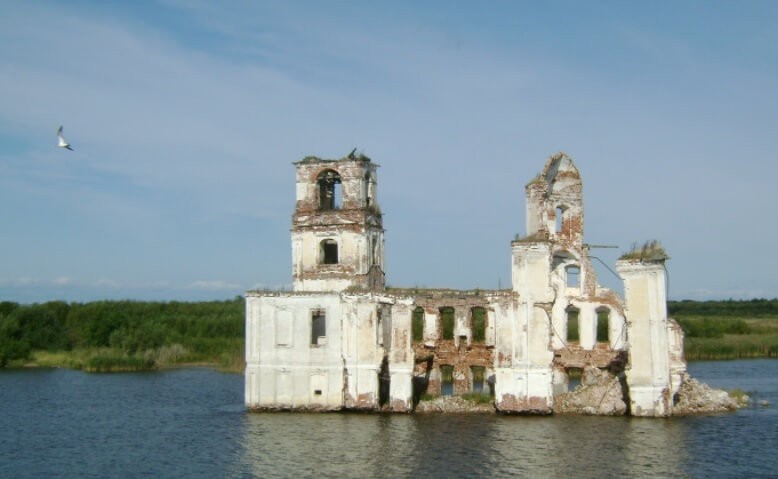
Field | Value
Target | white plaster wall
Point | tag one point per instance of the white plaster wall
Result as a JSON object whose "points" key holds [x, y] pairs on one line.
{"points": [[430, 327], [617, 331], [587, 325], [462, 325], [509, 327], [648, 374], [523, 358], [677, 362], [401, 357], [559, 324], [354, 258], [538, 339], [287, 375], [530, 271]]}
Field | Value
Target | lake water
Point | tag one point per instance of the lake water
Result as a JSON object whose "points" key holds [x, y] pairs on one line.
{"points": [[191, 423]]}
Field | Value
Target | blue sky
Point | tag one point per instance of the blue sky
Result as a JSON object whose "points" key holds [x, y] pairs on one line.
{"points": [[186, 116]]}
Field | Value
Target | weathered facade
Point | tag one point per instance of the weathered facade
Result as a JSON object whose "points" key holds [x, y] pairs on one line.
{"points": [[342, 340]]}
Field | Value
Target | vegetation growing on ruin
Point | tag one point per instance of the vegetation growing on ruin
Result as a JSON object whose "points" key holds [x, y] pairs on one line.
{"points": [[649, 251]]}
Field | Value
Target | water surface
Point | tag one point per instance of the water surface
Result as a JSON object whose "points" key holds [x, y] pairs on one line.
{"points": [[192, 423]]}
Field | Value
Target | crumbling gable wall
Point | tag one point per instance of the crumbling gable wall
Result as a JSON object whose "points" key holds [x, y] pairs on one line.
{"points": [[560, 303]]}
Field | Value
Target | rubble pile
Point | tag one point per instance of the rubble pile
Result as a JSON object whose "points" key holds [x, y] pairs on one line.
{"points": [[453, 404], [695, 397], [599, 393]]}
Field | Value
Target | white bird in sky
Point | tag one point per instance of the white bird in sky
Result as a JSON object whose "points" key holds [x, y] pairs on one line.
{"points": [[62, 142]]}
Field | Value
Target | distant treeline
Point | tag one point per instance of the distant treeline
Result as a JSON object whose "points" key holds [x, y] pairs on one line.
{"points": [[754, 308], [132, 330], [728, 329], [132, 335]]}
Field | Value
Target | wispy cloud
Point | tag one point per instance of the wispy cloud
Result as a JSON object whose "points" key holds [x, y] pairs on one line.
{"points": [[186, 116]]}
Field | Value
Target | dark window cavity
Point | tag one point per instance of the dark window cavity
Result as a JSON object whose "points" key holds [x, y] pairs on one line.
{"points": [[318, 328], [329, 251]]}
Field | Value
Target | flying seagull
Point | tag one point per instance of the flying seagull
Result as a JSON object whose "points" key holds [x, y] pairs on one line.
{"points": [[62, 142]]}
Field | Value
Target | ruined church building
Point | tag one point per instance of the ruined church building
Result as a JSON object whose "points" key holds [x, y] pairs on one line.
{"points": [[342, 340]]}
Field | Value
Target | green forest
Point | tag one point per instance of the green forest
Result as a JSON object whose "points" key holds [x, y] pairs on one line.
{"points": [[104, 336], [122, 335]]}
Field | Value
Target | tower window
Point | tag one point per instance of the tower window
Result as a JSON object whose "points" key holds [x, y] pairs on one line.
{"points": [[330, 194], [329, 251]]}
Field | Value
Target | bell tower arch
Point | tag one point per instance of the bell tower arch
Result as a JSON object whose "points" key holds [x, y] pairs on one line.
{"points": [[337, 227]]}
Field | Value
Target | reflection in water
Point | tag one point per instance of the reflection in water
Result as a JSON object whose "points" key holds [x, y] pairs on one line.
{"points": [[576, 446], [328, 445], [362, 445]]}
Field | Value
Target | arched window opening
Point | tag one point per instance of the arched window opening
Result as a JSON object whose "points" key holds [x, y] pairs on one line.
{"points": [[603, 324], [330, 194], [573, 273], [417, 324], [572, 323], [329, 251], [559, 219], [478, 324], [447, 322], [446, 380]]}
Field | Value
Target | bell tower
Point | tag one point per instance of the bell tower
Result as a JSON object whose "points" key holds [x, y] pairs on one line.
{"points": [[337, 228]]}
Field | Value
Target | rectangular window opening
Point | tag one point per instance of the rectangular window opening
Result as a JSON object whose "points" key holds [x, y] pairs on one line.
{"points": [[447, 322], [318, 328], [478, 319], [417, 324]]}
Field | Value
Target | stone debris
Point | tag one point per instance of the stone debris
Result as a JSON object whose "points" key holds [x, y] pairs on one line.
{"points": [[599, 394], [695, 397], [453, 404]]}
